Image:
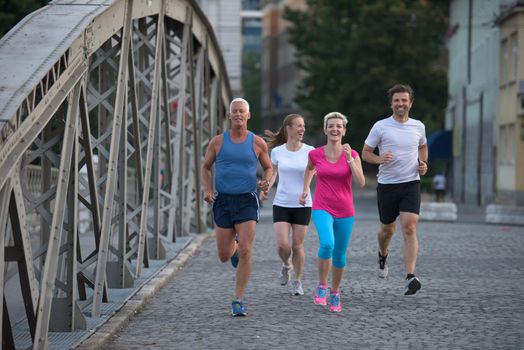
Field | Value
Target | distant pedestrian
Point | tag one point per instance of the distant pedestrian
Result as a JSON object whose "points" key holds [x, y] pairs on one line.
{"points": [[336, 165], [403, 155], [289, 156], [439, 186], [235, 154]]}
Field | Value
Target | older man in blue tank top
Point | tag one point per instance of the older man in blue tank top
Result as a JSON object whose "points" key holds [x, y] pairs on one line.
{"points": [[235, 154]]}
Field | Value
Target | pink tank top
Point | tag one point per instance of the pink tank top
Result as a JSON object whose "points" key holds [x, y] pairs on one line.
{"points": [[333, 192]]}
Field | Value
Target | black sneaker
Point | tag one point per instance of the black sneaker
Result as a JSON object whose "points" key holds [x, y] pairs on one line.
{"points": [[382, 266], [412, 286]]}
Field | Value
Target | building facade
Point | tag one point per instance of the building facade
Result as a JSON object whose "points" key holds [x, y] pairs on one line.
{"points": [[225, 17], [486, 101], [280, 76], [510, 151], [251, 26]]}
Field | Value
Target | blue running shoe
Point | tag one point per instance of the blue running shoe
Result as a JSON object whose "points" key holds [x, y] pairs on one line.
{"points": [[237, 308], [234, 259]]}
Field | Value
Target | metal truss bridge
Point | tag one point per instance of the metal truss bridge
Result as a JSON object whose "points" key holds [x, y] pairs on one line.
{"points": [[106, 108]]}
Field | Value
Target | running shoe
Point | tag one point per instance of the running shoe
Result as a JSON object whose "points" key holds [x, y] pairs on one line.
{"points": [[296, 288], [234, 259], [412, 286], [382, 266], [237, 308], [285, 275], [320, 294], [334, 302]]}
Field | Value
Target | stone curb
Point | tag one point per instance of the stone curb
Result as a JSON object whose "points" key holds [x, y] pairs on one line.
{"points": [[505, 214], [435, 211], [106, 331]]}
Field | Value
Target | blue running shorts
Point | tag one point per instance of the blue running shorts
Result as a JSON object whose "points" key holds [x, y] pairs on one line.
{"points": [[231, 209]]}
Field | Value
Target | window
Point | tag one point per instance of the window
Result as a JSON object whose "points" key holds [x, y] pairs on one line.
{"points": [[507, 144], [252, 35], [504, 62], [251, 4], [503, 144], [514, 57], [511, 143]]}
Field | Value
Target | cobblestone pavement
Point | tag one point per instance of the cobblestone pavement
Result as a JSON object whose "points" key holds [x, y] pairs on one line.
{"points": [[472, 296]]}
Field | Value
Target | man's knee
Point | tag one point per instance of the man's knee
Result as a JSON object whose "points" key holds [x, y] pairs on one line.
{"points": [[244, 253], [223, 256], [245, 248], [409, 230]]}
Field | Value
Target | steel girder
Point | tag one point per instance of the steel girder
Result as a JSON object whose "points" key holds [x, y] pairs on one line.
{"points": [[116, 126]]}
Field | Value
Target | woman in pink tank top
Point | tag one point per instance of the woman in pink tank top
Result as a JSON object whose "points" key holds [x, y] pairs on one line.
{"points": [[335, 166]]}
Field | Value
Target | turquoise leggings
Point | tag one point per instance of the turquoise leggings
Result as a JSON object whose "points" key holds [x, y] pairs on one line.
{"points": [[334, 235]]}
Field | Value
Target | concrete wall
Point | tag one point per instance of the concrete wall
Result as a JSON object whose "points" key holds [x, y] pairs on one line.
{"points": [[473, 98], [225, 17]]}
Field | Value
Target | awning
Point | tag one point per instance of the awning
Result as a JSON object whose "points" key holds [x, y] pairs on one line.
{"points": [[439, 145]]}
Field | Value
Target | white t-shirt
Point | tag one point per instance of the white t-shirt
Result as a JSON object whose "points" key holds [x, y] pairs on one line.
{"points": [[439, 182], [291, 168], [403, 139]]}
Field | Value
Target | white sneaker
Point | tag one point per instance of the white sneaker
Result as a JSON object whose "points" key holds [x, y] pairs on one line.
{"points": [[296, 288], [285, 275], [382, 266]]}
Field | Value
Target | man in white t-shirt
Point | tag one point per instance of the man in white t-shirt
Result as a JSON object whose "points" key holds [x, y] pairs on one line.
{"points": [[402, 158]]}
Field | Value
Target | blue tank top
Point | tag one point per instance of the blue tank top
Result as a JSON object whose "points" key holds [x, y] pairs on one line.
{"points": [[236, 166]]}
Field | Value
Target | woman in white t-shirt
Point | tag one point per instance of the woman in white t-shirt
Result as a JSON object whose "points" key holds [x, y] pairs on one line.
{"points": [[289, 157]]}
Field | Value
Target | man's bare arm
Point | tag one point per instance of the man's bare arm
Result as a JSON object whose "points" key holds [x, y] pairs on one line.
{"points": [[265, 161], [205, 172], [369, 156]]}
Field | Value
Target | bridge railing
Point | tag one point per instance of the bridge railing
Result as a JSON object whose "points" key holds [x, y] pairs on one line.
{"points": [[106, 107]]}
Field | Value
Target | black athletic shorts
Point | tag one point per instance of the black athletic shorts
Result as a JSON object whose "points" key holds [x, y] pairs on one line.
{"points": [[298, 216], [394, 198]]}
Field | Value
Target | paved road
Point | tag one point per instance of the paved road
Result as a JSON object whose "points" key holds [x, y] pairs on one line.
{"points": [[472, 296]]}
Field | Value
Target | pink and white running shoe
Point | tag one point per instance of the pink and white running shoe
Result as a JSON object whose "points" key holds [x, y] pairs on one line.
{"points": [[334, 301], [320, 294]]}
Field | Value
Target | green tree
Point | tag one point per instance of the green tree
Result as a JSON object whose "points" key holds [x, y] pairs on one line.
{"points": [[251, 84], [12, 11], [353, 51]]}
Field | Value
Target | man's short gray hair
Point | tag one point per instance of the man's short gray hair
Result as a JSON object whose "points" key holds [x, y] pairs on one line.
{"points": [[238, 99]]}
